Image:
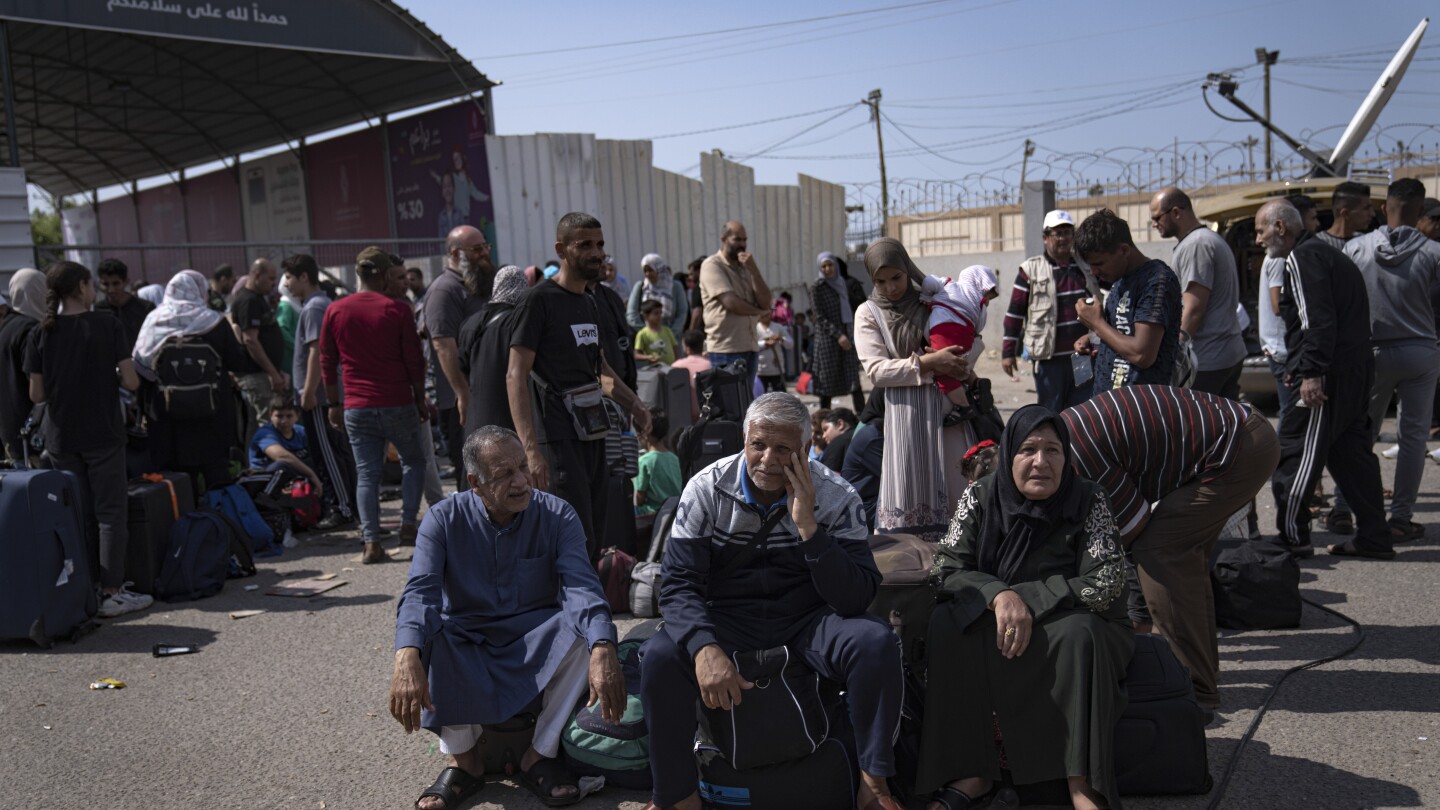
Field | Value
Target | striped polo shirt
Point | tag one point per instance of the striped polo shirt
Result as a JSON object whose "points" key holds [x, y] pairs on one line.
{"points": [[1142, 442]]}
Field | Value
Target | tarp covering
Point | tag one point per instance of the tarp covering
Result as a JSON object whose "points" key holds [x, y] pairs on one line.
{"points": [[108, 91]]}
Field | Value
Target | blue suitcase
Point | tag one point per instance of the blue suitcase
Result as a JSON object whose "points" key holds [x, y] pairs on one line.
{"points": [[46, 586]]}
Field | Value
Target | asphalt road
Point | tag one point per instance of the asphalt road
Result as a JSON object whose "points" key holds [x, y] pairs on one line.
{"points": [[288, 708]]}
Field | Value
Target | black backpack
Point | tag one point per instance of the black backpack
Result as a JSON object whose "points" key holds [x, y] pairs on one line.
{"points": [[1256, 585], [188, 372], [197, 560], [705, 443], [723, 393]]}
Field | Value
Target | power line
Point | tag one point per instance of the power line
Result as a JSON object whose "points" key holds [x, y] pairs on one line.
{"points": [[713, 32], [749, 123]]}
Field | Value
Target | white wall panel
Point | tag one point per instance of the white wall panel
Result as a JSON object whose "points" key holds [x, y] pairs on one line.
{"points": [[823, 227], [729, 193], [777, 238], [624, 179], [536, 179], [680, 219]]}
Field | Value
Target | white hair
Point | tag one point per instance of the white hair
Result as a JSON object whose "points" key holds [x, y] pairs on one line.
{"points": [[1281, 211], [778, 409]]}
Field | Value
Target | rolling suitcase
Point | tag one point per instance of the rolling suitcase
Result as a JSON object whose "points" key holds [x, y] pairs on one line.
{"points": [[47, 590], [155, 503], [676, 398], [1160, 738]]}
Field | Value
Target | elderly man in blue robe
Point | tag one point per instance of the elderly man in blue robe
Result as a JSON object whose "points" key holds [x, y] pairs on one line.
{"points": [[502, 605]]}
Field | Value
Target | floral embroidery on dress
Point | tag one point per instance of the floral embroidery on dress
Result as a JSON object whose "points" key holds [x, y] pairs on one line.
{"points": [[1110, 577], [967, 502]]}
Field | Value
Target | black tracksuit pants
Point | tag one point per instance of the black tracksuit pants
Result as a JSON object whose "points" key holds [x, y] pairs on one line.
{"points": [[1336, 435]]}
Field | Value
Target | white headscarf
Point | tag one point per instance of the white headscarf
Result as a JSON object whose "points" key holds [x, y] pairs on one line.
{"points": [[967, 292], [184, 311], [663, 290], [154, 293], [27, 292]]}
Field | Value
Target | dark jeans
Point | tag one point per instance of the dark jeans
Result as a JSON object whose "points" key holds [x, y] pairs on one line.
{"points": [[454, 444], [1222, 382], [577, 475], [857, 397], [773, 382], [1283, 392], [861, 653], [103, 491], [1055, 386]]}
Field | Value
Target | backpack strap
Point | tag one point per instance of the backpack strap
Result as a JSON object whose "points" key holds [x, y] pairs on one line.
{"points": [[754, 547]]}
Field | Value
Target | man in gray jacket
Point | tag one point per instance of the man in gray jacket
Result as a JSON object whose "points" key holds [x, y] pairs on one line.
{"points": [[1401, 268]]}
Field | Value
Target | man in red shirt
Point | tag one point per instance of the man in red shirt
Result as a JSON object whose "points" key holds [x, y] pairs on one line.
{"points": [[371, 337]]}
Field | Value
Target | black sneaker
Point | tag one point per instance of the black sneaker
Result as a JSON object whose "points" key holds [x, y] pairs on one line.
{"points": [[333, 522]]}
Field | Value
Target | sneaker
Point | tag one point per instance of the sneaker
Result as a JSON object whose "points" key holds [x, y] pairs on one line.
{"points": [[333, 522], [1392, 452], [123, 601], [1435, 455]]}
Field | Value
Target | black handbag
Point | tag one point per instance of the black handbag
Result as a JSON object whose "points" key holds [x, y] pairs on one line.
{"points": [[781, 719], [1257, 587]]}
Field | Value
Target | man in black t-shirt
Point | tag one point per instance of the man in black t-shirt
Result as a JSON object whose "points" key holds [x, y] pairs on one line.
{"points": [[556, 339], [261, 377], [130, 309]]}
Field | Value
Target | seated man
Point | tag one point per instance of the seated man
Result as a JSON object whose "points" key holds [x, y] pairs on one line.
{"points": [[502, 604], [838, 427], [808, 589], [281, 447]]}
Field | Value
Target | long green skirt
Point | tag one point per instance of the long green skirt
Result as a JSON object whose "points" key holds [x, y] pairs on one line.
{"points": [[1057, 704]]}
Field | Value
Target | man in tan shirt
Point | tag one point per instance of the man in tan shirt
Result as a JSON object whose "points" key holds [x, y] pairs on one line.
{"points": [[733, 294]]}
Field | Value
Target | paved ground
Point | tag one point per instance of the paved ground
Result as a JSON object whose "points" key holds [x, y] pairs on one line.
{"points": [[287, 709]]}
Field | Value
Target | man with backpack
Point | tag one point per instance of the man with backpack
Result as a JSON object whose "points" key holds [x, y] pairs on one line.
{"points": [[502, 607], [768, 553]]}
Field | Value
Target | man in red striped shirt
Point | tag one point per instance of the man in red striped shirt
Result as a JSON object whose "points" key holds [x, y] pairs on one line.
{"points": [[1149, 443]]}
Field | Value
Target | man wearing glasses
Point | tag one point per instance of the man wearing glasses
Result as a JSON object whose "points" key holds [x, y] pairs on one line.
{"points": [[448, 302], [1210, 293]]}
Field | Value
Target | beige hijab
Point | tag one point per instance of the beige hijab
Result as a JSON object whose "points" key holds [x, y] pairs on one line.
{"points": [[27, 292], [907, 318]]}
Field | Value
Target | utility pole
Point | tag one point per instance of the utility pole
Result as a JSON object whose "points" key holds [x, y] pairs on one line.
{"points": [[873, 102], [1250, 141], [1268, 58], [1025, 165]]}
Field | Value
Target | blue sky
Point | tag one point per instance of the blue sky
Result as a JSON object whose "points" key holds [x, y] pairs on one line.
{"points": [[969, 79]]}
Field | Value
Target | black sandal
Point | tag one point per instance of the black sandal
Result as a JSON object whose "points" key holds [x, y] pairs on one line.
{"points": [[544, 776], [445, 786], [1349, 548], [1338, 522], [1403, 531]]}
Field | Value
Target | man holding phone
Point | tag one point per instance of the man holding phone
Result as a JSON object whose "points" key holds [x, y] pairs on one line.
{"points": [[733, 294]]}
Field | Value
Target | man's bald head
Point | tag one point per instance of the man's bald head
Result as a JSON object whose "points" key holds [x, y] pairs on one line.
{"points": [[1172, 197], [733, 240], [1171, 213], [262, 276], [462, 236]]}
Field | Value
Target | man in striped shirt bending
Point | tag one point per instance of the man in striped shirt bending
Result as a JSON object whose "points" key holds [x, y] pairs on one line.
{"points": [[1149, 443]]}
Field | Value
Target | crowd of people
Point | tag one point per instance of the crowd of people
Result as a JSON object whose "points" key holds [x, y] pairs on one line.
{"points": [[1092, 517]]}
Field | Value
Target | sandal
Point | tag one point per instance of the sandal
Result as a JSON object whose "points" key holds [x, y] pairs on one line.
{"points": [[1349, 549], [1403, 531], [1338, 523], [546, 775], [454, 787]]}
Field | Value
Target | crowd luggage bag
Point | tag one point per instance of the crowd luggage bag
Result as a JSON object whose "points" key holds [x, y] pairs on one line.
{"points": [[705, 443], [645, 576], [47, 589], [666, 392], [502, 745], [1160, 738], [906, 597], [825, 779], [235, 503], [620, 752], [197, 559], [723, 393], [1256, 585], [154, 506]]}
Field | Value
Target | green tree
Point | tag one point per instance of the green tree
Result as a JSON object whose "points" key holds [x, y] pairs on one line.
{"points": [[46, 231]]}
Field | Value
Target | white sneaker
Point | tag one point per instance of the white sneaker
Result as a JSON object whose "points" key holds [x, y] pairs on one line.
{"points": [[124, 601], [1392, 452], [1435, 455]]}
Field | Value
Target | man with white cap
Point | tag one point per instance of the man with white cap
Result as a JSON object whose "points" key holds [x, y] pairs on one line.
{"points": [[1041, 318]]}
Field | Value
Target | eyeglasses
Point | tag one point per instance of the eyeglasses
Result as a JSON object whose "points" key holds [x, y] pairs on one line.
{"points": [[480, 247], [1162, 214]]}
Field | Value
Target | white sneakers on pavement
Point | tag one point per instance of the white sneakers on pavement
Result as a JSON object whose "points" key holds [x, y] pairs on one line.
{"points": [[123, 601]]}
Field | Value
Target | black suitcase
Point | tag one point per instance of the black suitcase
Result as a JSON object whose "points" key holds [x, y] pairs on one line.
{"points": [[47, 589], [1160, 738], [824, 780], [154, 506], [724, 393], [705, 443], [676, 398]]}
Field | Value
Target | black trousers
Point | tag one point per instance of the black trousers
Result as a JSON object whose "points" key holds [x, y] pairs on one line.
{"points": [[454, 444], [1337, 434], [577, 474], [335, 463], [1222, 382], [862, 653]]}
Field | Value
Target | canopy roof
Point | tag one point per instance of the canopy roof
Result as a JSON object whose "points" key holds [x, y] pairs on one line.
{"points": [[110, 91]]}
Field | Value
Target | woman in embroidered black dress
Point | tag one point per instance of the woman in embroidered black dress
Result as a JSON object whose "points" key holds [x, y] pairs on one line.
{"points": [[1031, 632]]}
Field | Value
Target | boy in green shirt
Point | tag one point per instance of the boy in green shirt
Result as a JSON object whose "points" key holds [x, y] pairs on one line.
{"points": [[655, 343], [659, 476]]}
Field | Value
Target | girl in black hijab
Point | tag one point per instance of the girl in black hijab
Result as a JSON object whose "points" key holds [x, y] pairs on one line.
{"points": [[1031, 633]]}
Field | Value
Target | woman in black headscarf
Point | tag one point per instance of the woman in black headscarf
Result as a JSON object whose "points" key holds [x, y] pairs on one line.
{"points": [[1031, 633]]}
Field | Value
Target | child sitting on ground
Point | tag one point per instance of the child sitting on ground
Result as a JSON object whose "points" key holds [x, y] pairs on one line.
{"points": [[659, 476], [957, 316], [281, 446], [654, 343]]}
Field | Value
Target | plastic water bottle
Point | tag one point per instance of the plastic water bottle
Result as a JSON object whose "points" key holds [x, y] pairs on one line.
{"points": [[290, 541]]}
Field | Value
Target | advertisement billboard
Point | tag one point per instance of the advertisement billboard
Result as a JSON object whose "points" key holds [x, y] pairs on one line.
{"points": [[439, 173], [345, 179]]}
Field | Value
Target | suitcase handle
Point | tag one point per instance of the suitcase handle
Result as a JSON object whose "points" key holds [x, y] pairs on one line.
{"points": [[157, 478]]}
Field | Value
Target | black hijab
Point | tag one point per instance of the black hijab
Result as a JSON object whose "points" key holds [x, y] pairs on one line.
{"points": [[1013, 524]]}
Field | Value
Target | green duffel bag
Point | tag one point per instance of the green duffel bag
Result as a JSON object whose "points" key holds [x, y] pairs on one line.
{"points": [[620, 752]]}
